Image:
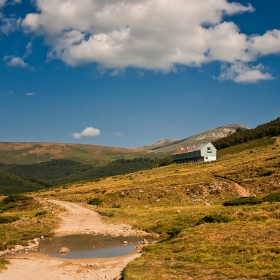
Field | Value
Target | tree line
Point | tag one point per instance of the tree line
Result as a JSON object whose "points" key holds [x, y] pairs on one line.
{"points": [[245, 135]]}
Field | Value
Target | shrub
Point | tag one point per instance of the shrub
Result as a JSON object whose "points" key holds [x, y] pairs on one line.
{"points": [[214, 218], [8, 219], [243, 201], [116, 205], [15, 197], [274, 197], [41, 213], [267, 173], [174, 231], [106, 214], [95, 201]]}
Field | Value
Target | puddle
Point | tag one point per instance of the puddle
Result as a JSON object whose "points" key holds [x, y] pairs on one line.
{"points": [[81, 246]]}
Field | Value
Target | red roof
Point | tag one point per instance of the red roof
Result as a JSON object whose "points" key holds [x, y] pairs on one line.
{"points": [[188, 150]]}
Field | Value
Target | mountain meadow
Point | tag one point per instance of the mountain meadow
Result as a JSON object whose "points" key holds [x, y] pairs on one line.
{"points": [[215, 220]]}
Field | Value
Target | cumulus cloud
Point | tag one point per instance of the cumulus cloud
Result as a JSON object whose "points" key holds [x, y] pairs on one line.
{"points": [[14, 61], [243, 73], [148, 34], [88, 132]]}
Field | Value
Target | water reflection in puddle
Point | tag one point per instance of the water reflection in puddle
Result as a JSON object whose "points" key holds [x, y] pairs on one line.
{"points": [[81, 246]]}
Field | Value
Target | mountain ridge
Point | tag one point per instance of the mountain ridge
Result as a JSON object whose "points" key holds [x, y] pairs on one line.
{"points": [[97, 155], [201, 138]]}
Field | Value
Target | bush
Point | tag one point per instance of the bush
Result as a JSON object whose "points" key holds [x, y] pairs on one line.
{"points": [[274, 197], [8, 219], [116, 205], [267, 173], [41, 213], [95, 201], [214, 218], [15, 197], [243, 201], [174, 231]]}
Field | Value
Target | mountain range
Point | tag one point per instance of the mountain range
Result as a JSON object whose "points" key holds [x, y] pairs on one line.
{"points": [[30, 153]]}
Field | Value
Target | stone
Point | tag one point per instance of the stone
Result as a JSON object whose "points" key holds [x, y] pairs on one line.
{"points": [[19, 248], [64, 250], [125, 243]]}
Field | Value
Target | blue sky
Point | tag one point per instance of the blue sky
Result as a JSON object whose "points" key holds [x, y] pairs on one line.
{"points": [[128, 73]]}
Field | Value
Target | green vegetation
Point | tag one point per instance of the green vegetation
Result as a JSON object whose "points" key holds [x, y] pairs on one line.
{"points": [[8, 219], [274, 197], [56, 172], [95, 201], [30, 153], [270, 129], [10, 184], [214, 218], [25, 218], [243, 201]]}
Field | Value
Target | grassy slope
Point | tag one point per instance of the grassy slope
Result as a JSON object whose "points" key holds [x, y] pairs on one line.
{"points": [[28, 153], [10, 183], [173, 199]]}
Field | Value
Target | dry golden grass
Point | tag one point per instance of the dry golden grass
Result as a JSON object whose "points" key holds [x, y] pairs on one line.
{"points": [[173, 199]]}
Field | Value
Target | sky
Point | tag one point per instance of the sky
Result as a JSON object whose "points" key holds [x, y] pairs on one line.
{"points": [[131, 72]]}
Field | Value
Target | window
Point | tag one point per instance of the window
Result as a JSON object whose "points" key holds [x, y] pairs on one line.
{"points": [[209, 150]]}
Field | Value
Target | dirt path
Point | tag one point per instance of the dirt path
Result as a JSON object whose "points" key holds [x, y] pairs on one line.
{"points": [[76, 219], [241, 191]]}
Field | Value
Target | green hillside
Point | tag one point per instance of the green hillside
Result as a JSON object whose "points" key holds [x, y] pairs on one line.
{"points": [[57, 172], [243, 136], [12, 184], [29, 153]]}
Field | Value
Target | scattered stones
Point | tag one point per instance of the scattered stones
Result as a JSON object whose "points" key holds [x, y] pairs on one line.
{"points": [[32, 245]]}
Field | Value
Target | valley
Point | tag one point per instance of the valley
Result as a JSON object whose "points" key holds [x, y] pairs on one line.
{"points": [[200, 237]]}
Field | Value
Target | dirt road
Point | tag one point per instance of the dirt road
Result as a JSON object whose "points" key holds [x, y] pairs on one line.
{"points": [[76, 219]]}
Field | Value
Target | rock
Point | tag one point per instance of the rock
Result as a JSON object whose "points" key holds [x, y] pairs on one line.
{"points": [[64, 250], [145, 242], [19, 248], [155, 235], [118, 278], [125, 243], [93, 247]]}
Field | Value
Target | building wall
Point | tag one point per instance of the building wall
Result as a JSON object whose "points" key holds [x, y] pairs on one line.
{"points": [[209, 151]]}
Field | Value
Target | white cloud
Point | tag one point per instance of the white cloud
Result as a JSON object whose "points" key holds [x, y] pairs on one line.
{"points": [[118, 134], [242, 73], [28, 50], [30, 94], [9, 25], [14, 61], [88, 132], [149, 34], [2, 3]]}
